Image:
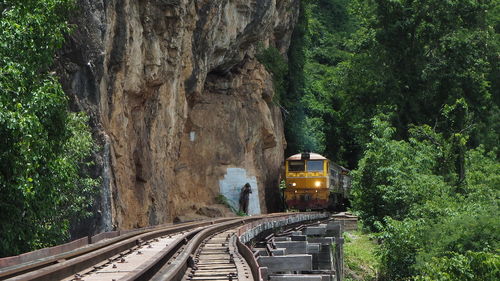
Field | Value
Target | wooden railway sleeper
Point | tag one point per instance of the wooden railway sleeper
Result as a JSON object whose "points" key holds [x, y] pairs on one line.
{"points": [[214, 262]]}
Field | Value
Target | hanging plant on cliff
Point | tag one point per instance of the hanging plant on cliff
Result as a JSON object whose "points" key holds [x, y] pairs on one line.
{"points": [[42, 145]]}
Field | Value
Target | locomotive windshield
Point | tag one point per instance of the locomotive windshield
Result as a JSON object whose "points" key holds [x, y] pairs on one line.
{"points": [[315, 166], [296, 166]]}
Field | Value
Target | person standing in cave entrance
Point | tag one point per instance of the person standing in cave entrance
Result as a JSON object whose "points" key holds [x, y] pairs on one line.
{"points": [[245, 197]]}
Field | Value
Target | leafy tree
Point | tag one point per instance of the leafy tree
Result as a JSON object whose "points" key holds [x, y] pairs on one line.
{"points": [[471, 266], [294, 115], [411, 90], [398, 252], [473, 229], [329, 25], [440, 224], [361, 58], [277, 66], [423, 55], [400, 189], [42, 145], [311, 121], [393, 176]]}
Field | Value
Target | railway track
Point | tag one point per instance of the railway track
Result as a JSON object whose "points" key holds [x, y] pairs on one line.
{"points": [[61, 266], [193, 251], [217, 258]]}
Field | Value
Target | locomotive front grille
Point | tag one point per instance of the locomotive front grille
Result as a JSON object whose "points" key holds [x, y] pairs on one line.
{"points": [[305, 197]]}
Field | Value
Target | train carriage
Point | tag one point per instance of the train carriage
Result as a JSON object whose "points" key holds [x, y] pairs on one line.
{"points": [[314, 183]]}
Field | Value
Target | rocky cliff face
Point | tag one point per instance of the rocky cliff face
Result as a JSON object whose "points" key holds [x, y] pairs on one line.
{"points": [[179, 103]]}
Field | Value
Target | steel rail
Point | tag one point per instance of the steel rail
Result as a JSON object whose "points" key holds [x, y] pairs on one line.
{"points": [[170, 263], [177, 268], [148, 270], [66, 264], [168, 269], [250, 259]]}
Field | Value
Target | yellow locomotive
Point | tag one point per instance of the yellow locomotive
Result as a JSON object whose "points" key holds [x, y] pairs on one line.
{"points": [[314, 183]]}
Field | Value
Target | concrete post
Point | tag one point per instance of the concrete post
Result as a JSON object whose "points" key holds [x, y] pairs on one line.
{"points": [[293, 247], [287, 263], [295, 277], [339, 258]]}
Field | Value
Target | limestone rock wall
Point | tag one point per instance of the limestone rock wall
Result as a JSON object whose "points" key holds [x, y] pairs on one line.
{"points": [[176, 97]]}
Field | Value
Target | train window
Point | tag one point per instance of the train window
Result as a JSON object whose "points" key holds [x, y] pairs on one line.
{"points": [[315, 166], [296, 166]]}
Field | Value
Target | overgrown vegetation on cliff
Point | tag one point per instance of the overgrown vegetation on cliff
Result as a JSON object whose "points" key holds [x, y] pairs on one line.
{"points": [[407, 92], [42, 145]]}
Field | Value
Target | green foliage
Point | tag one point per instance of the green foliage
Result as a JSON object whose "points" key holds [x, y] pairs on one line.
{"points": [[31, 30], [472, 229], [407, 191], [221, 199], [483, 179], [431, 53], [43, 147], [455, 225], [300, 132], [325, 51], [393, 176], [360, 259], [358, 58], [471, 266], [240, 213], [314, 137], [294, 114], [411, 90], [398, 252], [274, 62]]}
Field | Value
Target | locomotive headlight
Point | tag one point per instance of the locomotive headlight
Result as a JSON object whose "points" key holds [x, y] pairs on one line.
{"points": [[294, 184], [317, 184]]}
